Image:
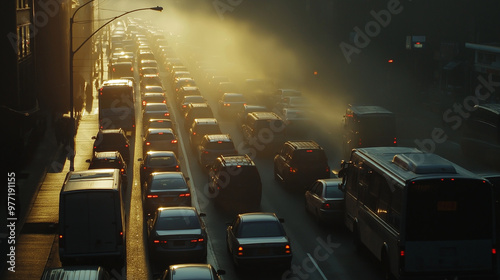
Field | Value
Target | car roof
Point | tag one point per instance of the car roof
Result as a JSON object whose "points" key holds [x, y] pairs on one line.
{"points": [[265, 115], [205, 121], [160, 130], [218, 137], [305, 144], [177, 211], [160, 153], [168, 174], [191, 271], [153, 93], [331, 181], [199, 105], [76, 272], [111, 130], [234, 160], [107, 154], [258, 217]]}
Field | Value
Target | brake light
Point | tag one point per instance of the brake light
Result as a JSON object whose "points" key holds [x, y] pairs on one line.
{"points": [[227, 104], [167, 114], [122, 171], [126, 145], [174, 141], [131, 69], [288, 249], [194, 133], [395, 141], [205, 152], [326, 206], [240, 251], [114, 69], [152, 196], [160, 241], [197, 240], [164, 101], [148, 143], [309, 151], [184, 195], [293, 170], [493, 251], [144, 103], [402, 253], [177, 168], [359, 142]]}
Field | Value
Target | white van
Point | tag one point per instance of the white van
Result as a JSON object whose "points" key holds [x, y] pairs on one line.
{"points": [[91, 217]]}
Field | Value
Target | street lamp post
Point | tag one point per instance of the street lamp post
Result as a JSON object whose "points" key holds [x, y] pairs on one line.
{"points": [[71, 57]]}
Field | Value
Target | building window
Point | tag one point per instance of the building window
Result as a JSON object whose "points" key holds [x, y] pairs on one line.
{"points": [[23, 41]]}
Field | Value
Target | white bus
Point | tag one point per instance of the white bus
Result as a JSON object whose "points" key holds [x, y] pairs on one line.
{"points": [[421, 215], [116, 105]]}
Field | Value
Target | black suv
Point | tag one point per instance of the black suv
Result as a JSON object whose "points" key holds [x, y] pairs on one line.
{"points": [[108, 140], [301, 162], [263, 131], [235, 180]]}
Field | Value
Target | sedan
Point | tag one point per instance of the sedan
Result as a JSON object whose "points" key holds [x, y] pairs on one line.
{"points": [[192, 271], [231, 103], [160, 139], [157, 161], [155, 111], [177, 234], [324, 199], [258, 239], [168, 188]]}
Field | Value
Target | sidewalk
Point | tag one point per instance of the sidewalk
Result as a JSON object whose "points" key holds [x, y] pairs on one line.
{"points": [[34, 244]]}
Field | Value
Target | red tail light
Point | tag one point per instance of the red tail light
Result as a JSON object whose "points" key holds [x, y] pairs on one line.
{"points": [[494, 251], [293, 170], [167, 114], [126, 145], [173, 141], [160, 241], [240, 251], [326, 206], [148, 143], [144, 103], [197, 240], [184, 195], [288, 249], [227, 104], [152, 196], [395, 141]]}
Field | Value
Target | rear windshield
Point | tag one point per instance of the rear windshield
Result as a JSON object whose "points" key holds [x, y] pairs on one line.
{"points": [[160, 137], [161, 184], [108, 163], [178, 223], [208, 129], [162, 161], [234, 98], [261, 229], [220, 146], [162, 124], [309, 157], [156, 108], [334, 192], [198, 113], [449, 210]]}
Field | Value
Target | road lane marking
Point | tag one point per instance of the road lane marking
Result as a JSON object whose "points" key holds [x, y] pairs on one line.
{"points": [[317, 267]]}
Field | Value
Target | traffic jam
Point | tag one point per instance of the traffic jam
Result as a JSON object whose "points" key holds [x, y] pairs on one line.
{"points": [[236, 176]]}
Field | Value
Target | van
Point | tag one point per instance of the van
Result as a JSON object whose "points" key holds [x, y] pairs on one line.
{"points": [[368, 126], [263, 131], [76, 273], [91, 217], [235, 180]]}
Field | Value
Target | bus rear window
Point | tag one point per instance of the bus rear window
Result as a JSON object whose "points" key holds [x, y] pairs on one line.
{"points": [[448, 210]]}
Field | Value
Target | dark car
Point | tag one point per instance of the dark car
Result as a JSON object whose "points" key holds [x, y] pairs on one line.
{"points": [[177, 234], [155, 111], [201, 127], [185, 91], [158, 161], [214, 145], [235, 181], [188, 99], [301, 163], [160, 139], [167, 188], [197, 111], [110, 140], [192, 271], [231, 103], [324, 199], [105, 160], [242, 114], [158, 123], [153, 97], [258, 240]]}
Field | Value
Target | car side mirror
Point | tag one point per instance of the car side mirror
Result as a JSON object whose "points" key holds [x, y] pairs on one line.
{"points": [[94, 137]]}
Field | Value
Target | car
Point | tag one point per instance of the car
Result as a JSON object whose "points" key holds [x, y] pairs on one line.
{"points": [[148, 63], [175, 68], [183, 82], [111, 159], [234, 180], [171, 62], [301, 163], [155, 111], [122, 69], [146, 70], [153, 97], [150, 80], [201, 127], [214, 145], [247, 108], [258, 239], [165, 188], [177, 234], [181, 74], [145, 55], [192, 271], [157, 161], [160, 139], [153, 89], [158, 123], [263, 131], [231, 103], [224, 87], [296, 121], [196, 111], [112, 140], [292, 102], [324, 199], [185, 91], [183, 104], [282, 93]]}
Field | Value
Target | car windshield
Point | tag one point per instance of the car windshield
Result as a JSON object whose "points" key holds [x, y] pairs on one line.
{"points": [[220, 145], [162, 124], [309, 157], [160, 137], [261, 229], [162, 184], [334, 192], [156, 108], [177, 223], [208, 129]]}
